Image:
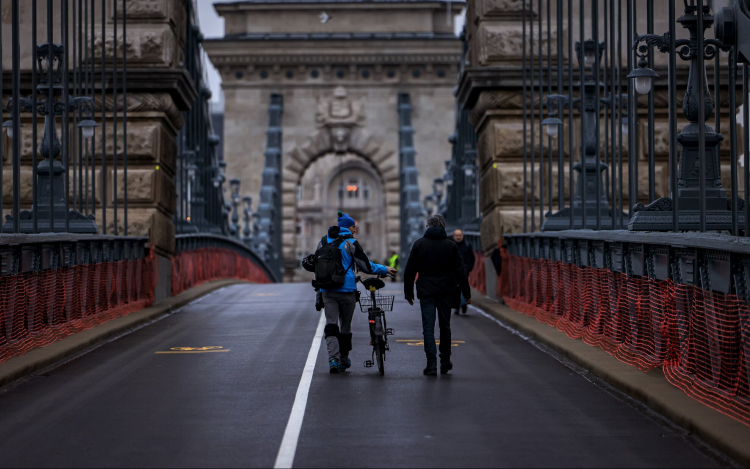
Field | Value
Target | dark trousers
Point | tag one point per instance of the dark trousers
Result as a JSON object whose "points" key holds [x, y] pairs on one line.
{"points": [[440, 307]]}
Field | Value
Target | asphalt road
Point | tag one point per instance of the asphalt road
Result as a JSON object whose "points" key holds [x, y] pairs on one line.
{"points": [[506, 404]]}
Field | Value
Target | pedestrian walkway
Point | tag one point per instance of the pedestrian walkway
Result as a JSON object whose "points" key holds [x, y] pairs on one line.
{"points": [[214, 385]]}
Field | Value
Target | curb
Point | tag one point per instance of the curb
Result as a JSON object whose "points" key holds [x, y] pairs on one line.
{"points": [[42, 357], [724, 433]]}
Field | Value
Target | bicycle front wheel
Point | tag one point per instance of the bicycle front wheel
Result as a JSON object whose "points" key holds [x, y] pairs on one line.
{"points": [[380, 355]]}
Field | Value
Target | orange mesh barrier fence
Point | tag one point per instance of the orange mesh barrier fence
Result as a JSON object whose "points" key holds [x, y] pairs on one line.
{"points": [[701, 339], [477, 276], [192, 268], [38, 308]]}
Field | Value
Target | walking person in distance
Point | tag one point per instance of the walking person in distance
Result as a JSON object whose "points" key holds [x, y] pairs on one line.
{"points": [[442, 277], [467, 254]]}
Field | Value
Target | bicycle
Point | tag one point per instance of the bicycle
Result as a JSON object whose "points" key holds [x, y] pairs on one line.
{"points": [[375, 307]]}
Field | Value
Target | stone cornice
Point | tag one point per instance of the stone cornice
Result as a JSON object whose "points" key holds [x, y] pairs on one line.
{"points": [[474, 80], [246, 6], [254, 59], [399, 36]]}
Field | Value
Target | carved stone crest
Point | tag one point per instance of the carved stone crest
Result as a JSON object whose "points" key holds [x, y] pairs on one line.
{"points": [[338, 115]]}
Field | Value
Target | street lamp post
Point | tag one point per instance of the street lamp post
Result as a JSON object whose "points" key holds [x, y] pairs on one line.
{"points": [[197, 192], [186, 222], [698, 179], [429, 205], [51, 210], [235, 226], [248, 211], [438, 192], [590, 202]]}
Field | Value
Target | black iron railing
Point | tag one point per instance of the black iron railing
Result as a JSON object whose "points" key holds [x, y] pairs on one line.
{"points": [[70, 75], [201, 206], [593, 100], [461, 178]]}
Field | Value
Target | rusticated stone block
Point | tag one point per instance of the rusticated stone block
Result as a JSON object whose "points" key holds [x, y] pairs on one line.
{"points": [[145, 186], [149, 141], [146, 46], [661, 138], [504, 182], [503, 42], [26, 187], [500, 8], [155, 11], [503, 138], [140, 102], [498, 223], [289, 198], [501, 194], [162, 232]]}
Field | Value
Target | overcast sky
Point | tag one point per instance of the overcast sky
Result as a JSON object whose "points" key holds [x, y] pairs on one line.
{"points": [[212, 25]]}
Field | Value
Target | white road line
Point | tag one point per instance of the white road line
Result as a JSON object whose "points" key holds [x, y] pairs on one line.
{"points": [[288, 447], [505, 326]]}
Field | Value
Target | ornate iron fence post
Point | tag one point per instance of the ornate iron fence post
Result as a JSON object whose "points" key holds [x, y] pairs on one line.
{"points": [[701, 197], [50, 213], [590, 206]]}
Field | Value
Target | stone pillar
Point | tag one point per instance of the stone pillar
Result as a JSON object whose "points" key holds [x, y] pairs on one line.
{"points": [[491, 87]]}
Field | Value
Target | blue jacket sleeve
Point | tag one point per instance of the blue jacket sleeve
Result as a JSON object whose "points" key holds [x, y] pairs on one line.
{"points": [[378, 269]]}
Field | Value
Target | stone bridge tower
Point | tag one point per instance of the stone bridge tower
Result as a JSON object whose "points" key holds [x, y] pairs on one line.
{"points": [[340, 66]]}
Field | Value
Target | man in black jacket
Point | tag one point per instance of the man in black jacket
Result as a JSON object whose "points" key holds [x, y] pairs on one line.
{"points": [[442, 277], [467, 254]]}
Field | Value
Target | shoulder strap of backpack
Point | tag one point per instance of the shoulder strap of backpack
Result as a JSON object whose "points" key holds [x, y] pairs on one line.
{"points": [[351, 256]]}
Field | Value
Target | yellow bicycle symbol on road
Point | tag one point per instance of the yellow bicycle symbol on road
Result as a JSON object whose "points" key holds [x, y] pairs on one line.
{"points": [[207, 349], [203, 349], [420, 342]]}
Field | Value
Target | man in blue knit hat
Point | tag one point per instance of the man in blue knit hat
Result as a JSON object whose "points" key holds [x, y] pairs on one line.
{"points": [[340, 302]]}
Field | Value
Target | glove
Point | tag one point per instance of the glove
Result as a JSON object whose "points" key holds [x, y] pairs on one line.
{"points": [[308, 263]]}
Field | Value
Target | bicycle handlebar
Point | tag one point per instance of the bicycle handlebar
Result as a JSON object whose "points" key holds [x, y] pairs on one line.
{"points": [[359, 279]]}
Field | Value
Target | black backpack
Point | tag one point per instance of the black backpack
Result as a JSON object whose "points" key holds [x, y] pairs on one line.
{"points": [[329, 267]]}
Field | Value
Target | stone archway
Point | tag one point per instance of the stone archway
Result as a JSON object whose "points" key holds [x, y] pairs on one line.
{"points": [[340, 130]]}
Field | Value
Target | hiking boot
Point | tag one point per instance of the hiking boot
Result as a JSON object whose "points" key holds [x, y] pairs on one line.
{"points": [[344, 364], [445, 367], [431, 370], [333, 363]]}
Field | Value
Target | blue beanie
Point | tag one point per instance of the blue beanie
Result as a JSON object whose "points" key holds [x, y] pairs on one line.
{"points": [[345, 221]]}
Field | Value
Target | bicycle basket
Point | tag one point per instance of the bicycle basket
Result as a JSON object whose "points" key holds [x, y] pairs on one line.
{"points": [[384, 302]]}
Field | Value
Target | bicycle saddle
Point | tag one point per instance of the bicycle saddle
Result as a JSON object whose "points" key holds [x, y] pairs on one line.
{"points": [[373, 282]]}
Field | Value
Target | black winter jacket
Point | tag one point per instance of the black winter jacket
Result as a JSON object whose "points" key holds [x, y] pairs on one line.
{"points": [[437, 260], [467, 254]]}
